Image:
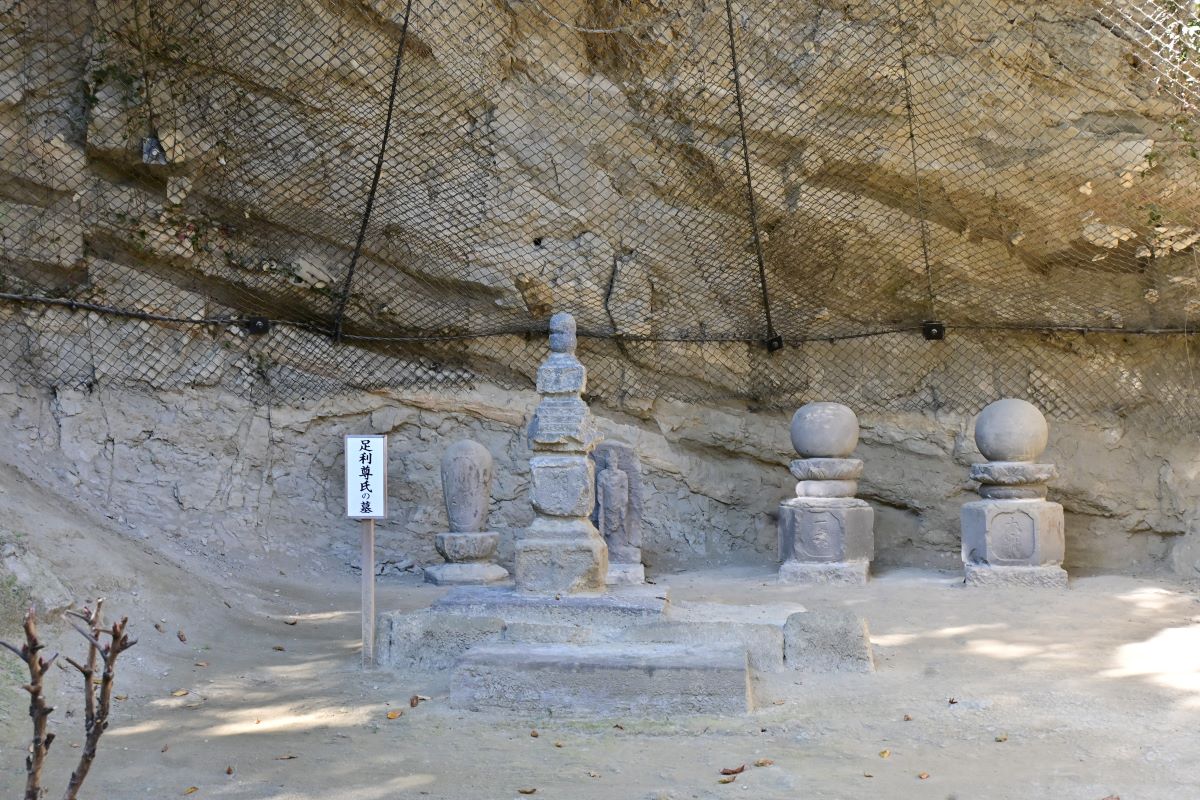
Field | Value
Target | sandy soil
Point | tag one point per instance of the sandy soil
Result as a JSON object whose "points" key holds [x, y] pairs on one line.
{"points": [[1077, 695]]}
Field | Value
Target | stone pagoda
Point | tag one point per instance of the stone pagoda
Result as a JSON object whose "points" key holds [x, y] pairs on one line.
{"points": [[468, 549], [1012, 535], [562, 552], [826, 534]]}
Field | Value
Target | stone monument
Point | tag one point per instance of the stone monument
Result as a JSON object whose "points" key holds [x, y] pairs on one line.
{"points": [[467, 547], [826, 534], [562, 551], [618, 512], [1013, 535]]}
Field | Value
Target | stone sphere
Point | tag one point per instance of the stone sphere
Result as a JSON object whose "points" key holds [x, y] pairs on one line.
{"points": [[1011, 430], [824, 430]]}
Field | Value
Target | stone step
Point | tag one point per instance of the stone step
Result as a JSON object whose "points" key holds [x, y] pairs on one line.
{"points": [[603, 679], [623, 606]]}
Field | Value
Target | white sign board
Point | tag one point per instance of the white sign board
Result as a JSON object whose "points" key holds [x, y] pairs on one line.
{"points": [[366, 477]]}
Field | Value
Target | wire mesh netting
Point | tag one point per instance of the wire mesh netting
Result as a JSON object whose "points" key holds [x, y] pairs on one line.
{"points": [[766, 200]]}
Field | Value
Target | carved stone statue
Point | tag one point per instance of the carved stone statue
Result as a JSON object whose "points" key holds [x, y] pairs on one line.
{"points": [[618, 512]]}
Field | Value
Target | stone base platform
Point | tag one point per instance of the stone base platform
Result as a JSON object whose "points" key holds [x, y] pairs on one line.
{"points": [[572, 679], [839, 572], [465, 574], [619, 652], [1047, 577]]}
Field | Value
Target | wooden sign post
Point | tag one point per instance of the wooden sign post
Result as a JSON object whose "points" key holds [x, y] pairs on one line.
{"points": [[366, 500]]}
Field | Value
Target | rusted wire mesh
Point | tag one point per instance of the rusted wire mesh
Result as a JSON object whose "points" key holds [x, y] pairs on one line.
{"points": [[760, 200]]}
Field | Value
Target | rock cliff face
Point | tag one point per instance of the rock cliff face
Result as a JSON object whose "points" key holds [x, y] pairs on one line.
{"points": [[205, 472], [1037, 152]]}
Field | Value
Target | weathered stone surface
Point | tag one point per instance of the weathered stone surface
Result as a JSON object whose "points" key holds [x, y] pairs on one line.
{"points": [[817, 531], [563, 485], [824, 430], [827, 640], [826, 469], [1013, 473], [625, 574], [578, 564], [620, 608], [820, 574], [603, 680], [465, 574], [467, 471], [456, 547], [618, 512], [430, 639], [762, 643], [1012, 533], [1050, 577], [1011, 430], [820, 489]]}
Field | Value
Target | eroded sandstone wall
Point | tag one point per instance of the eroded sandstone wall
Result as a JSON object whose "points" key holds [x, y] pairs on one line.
{"points": [[210, 473]]}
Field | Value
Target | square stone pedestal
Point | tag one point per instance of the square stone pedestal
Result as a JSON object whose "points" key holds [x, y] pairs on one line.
{"points": [[560, 555], [825, 540], [1013, 542]]}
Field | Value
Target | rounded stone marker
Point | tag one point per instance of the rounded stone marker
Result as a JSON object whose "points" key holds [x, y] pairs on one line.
{"points": [[1011, 430], [824, 430], [467, 485]]}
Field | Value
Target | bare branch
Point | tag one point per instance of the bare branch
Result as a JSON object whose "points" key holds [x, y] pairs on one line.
{"points": [[16, 650]]}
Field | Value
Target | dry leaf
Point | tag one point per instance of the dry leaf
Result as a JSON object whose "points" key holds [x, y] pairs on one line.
{"points": [[734, 770], [166, 747], [290, 621], [158, 626], [226, 602], [558, 744], [1111, 797], [592, 774], [868, 775], [288, 757], [763, 762], [885, 753], [394, 714], [179, 693], [182, 636], [727, 779], [191, 790], [120, 697], [75, 745], [201, 663], [526, 791], [923, 776], [953, 701], [908, 717], [533, 733], [619, 726], [229, 770], [278, 647], [1002, 737]]}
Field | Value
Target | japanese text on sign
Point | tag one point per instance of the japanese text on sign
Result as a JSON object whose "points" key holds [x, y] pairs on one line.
{"points": [[366, 477]]}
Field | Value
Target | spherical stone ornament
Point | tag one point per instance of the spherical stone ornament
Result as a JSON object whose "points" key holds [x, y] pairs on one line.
{"points": [[824, 430], [1011, 430]]}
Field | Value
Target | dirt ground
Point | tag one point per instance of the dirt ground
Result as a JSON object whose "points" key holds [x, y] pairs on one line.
{"points": [[1077, 695]]}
